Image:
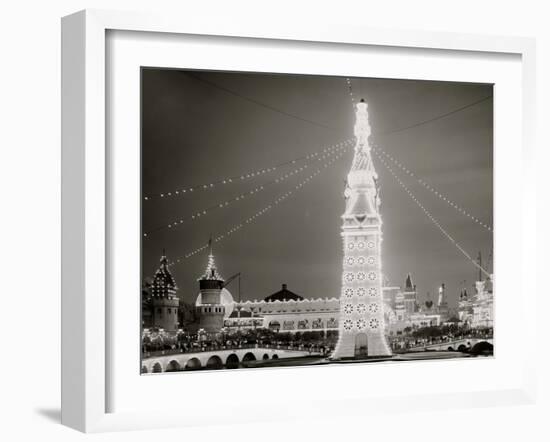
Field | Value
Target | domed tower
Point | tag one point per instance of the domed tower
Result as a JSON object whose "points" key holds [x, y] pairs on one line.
{"points": [[211, 310], [165, 304], [361, 325]]}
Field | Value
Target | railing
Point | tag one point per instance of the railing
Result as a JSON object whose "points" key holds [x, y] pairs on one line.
{"points": [[408, 345], [207, 349]]}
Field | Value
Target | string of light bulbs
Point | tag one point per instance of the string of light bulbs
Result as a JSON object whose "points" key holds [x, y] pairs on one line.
{"points": [[258, 214], [241, 177], [377, 150], [431, 217], [350, 91], [245, 195]]}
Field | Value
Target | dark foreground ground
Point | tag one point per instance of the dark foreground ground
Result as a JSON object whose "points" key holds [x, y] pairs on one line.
{"points": [[318, 360]]}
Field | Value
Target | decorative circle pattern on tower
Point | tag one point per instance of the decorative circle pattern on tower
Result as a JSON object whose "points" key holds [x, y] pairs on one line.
{"points": [[372, 276], [348, 292], [350, 260], [361, 324], [371, 260], [361, 308], [374, 323], [372, 291], [373, 308], [361, 276], [370, 244], [351, 246], [348, 309], [361, 260], [361, 291], [360, 245], [349, 277], [348, 324]]}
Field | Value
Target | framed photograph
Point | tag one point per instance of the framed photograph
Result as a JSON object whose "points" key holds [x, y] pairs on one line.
{"points": [[320, 216]]}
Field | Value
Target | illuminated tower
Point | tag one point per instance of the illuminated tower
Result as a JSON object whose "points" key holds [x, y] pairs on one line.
{"points": [[164, 302], [211, 310], [361, 325]]}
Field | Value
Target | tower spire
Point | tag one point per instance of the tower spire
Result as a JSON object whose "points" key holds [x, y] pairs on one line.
{"points": [[164, 260], [362, 189], [211, 272], [408, 283]]}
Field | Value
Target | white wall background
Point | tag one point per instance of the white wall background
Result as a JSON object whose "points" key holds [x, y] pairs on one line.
{"points": [[30, 216]]}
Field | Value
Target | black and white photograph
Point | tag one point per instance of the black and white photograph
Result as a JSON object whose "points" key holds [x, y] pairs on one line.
{"points": [[302, 220]]}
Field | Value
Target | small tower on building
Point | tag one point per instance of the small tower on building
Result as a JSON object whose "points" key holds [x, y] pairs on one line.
{"points": [[465, 309], [409, 296], [442, 304], [211, 310], [164, 301]]}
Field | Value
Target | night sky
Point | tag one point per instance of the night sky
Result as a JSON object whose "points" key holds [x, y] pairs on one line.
{"points": [[202, 127]]}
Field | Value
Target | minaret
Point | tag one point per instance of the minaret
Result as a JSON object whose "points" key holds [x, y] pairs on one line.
{"points": [[211, 311], [361, 325], [164, 301]]}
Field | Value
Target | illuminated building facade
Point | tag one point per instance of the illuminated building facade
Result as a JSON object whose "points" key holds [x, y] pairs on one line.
{"points": [[286, 313], [477, 310], [402, 310]]}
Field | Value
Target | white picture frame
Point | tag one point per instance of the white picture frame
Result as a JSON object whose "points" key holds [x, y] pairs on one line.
{"points": [[86, 204]]}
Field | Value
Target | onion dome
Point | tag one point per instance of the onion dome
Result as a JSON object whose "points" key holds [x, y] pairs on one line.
{"points": [[164, 285]]}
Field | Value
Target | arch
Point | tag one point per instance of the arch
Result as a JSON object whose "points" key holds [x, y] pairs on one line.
{"points": [[157, 368], [275, 356], [193, 364], [462, 348], [482, 348], [144, 370], [450, 349], [275, 326], [361, 345], [232, 361], [214, 363], [173, 365], [265, 357], [249, 357]]}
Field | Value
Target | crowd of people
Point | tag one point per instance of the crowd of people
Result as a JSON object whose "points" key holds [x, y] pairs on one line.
{"points": [[418, 338], [320, 342], [157, 341]]}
